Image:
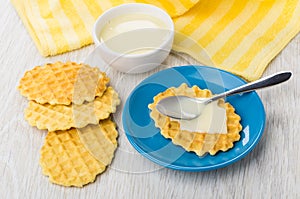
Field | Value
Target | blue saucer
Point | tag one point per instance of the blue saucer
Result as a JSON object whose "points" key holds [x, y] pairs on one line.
{"points": [[147, 140]]}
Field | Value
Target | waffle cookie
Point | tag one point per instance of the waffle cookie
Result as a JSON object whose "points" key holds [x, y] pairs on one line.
{"points": [[198, 142], [63, 83], [66, 160], [62, 117], [100, 140]]}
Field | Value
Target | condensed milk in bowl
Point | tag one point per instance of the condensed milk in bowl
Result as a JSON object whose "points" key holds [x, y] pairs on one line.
{"points": [[134, 37]]}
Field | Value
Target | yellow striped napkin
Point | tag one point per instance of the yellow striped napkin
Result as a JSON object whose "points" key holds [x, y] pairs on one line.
{"points": [[237, 35], [58, 26], [240, 36]]}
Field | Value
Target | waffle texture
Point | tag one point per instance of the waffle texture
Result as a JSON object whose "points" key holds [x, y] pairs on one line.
{"points": [[66, 161], [62, 117], [63, 83], [73, 102], [100, 140], [198, 142]]}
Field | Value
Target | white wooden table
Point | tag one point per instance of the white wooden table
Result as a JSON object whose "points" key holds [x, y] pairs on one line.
{"points": [[271, 170]]}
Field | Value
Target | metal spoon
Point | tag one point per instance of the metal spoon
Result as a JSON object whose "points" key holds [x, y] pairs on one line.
{"points": [[187, 108]]}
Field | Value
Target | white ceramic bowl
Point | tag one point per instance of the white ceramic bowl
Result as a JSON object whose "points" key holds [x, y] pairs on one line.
{"points": [[134, 63]]}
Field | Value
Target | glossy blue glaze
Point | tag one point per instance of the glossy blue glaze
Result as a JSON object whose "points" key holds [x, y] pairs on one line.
{"points": [[148, 141]]}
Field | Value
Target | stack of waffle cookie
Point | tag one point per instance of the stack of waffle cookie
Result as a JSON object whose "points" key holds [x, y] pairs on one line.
{"points": [[198, 142], [73, 102]]}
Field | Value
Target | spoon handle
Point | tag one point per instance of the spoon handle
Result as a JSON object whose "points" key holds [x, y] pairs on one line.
{"points": [[271, 80]]}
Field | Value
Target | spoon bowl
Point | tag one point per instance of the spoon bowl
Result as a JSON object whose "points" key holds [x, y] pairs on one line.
{"points": [[179, 107]]}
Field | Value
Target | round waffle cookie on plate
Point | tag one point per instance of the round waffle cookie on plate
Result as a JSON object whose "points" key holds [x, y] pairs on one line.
{"points": [[198, 142]]}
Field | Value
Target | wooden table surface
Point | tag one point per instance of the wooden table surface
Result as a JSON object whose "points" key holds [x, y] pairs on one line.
{"points": [[271, 170]]}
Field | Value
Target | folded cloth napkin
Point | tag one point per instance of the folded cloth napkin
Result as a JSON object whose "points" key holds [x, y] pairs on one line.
{"points": [[239, 36], [58, 26]]}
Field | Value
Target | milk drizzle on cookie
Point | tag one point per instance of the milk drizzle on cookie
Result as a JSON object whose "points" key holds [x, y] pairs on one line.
{"points": [[212, 120]]}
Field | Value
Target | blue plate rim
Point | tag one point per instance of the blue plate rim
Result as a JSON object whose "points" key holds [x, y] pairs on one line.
{"points": [[201, 168]]}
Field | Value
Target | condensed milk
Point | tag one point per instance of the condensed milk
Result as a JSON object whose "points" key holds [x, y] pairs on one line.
{"points": [[212, 120], [134, 33]]}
